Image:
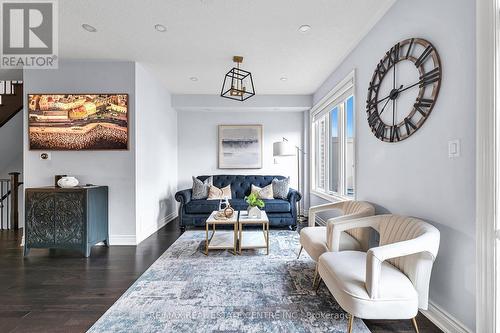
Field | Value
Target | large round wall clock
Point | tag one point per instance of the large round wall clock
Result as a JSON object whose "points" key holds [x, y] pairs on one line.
{"points": [[403, 89]]}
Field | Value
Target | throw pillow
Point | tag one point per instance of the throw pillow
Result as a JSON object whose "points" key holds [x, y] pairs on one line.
{"points": [[215, 193], [200, 188], [265, 192], [281, 188]]}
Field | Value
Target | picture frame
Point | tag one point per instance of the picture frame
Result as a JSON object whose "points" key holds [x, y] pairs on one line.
{"points": [[240, 146], [78, 121]]}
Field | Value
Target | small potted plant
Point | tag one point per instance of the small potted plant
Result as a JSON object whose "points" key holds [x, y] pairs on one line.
{"points": [[254, 205]]}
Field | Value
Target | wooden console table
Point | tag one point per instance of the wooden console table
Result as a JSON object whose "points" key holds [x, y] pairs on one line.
{"points": [[66, 218]]}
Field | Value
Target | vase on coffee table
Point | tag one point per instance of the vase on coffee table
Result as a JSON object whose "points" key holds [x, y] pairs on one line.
{"points": [[254, 212]]}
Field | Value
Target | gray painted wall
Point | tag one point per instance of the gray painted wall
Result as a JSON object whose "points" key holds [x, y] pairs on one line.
{"points": [[198, 142], [416, 177], [156, 154], [113, 168]]}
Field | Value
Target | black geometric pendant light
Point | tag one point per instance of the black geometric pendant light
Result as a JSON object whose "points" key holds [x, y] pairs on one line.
{"points": [[238, 83]]}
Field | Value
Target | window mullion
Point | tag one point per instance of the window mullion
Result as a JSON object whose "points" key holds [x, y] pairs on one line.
{"points": [[342, 149]]}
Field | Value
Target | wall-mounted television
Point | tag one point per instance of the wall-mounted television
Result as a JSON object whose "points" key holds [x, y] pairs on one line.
{"points": [[78, 121]]}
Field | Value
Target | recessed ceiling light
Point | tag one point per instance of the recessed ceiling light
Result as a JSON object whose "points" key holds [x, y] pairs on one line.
{"points": [[88, 27], [160, 28], [304, 28], [283, 78], [193, 78]]}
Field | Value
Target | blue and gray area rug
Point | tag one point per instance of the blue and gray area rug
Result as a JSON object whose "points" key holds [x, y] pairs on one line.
{"points": [[186, 291]]}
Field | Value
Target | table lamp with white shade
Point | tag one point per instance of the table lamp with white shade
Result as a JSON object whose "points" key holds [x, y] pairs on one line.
{"points": [[284, 148]]}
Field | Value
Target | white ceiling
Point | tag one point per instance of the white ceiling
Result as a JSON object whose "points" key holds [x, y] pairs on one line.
{"points": [[203, 35]]}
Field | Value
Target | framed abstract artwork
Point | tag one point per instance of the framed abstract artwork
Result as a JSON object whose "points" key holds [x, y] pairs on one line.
{"points": [[240, 146], [78, 121]]}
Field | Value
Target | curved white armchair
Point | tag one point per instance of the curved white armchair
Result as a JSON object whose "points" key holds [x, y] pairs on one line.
{"points": [[317, 240], [390, 281]]}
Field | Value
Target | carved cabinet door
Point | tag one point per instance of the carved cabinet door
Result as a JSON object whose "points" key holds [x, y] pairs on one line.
{"points": [[69, 217], [40, 218]]}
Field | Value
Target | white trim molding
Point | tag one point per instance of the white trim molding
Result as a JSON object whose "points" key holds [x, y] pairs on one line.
{"points": [[155, 227], [338, 95], [486, 163], [445, 321], [122, 240]]}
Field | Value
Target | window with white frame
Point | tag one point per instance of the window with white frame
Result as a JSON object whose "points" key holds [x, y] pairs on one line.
{"points": [[333, 144]]}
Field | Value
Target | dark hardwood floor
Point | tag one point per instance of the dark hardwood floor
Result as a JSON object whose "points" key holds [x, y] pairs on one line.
{"points": [[60, 291]]}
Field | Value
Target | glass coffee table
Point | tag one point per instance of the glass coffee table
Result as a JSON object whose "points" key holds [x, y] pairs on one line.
{"points": [[253, 239], [221, 239]]}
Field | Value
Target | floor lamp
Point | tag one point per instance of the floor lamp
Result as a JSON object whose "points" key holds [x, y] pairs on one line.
{"points": [[284, 148]]}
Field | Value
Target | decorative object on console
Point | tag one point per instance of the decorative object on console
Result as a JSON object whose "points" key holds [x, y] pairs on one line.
{"points": [[238, 83], [240, 146], [66, 218], [201, 188], [389, 127], [265, 192], [78, 121], [215, 193], [67, 182], [254, 205], [56, 179], [284, 148]]}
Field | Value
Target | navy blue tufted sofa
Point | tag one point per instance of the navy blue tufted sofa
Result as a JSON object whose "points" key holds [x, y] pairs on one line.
{"points": [[280, 212]]}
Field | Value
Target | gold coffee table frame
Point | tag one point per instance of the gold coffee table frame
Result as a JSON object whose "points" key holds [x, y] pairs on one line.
{"points": [[224, 244], [243, 220]]}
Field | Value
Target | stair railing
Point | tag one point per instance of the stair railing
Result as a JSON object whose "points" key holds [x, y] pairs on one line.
{"points": [[9, 202]]}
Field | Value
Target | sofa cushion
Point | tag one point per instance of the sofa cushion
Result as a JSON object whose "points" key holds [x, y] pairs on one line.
{"points": [[281, 188], [344, 273], [215, 193], [277, 206], [265, 192], [208, 206], [240, 184], [313, 239], [202, 206], [200, 188]]}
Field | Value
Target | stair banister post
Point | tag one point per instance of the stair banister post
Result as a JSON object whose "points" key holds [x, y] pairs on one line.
{"points": [[14, 200]]}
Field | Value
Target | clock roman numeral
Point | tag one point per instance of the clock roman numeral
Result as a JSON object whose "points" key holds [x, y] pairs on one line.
{"points": [[423, 56], [430, 77], [394, 133], [393, 55], [424, 102], [423, 105], [395, 52], [371, 103], [373, 118], [381, 70], [373, 87], [380, 130], [409, 124], [410, 46]]}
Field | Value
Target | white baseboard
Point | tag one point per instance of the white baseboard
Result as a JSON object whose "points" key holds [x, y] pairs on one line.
{"points": [[133, 240], [122, 240], [169, 218], [444, 320], [154, 228]]}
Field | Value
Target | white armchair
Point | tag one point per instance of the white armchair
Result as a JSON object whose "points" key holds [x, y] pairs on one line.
{"points": [[390, 281], [317, 240]]}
